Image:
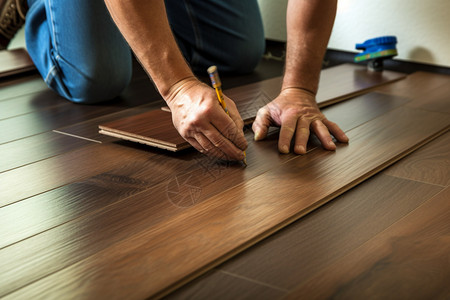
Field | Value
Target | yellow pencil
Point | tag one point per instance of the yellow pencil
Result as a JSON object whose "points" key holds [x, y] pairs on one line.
{"points": [[217, 85]]}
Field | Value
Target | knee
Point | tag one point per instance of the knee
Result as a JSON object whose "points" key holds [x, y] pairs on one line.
{"points": [[99, 88]]}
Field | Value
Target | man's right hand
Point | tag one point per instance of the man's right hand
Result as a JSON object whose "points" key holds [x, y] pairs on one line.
{"points": [[200, 120]]}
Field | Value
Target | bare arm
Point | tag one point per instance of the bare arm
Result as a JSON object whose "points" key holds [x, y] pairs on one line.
{"points": [[195, 110], [309, 24]]}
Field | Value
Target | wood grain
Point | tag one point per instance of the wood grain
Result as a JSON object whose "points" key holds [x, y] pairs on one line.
{"points": [[54, 117], [161, 255], [410, 261], [36, 178], [303, 249], [15, 61], [430, 164]]}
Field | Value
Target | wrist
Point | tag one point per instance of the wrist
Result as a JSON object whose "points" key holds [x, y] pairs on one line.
{"points": [[178, 88]]}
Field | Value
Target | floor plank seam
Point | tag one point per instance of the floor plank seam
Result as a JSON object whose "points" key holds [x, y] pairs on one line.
{"points": [[415, 180], [253, 281], [76, 136]]}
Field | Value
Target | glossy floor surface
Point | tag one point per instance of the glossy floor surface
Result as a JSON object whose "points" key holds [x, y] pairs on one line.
{"points": [[86, 216]]}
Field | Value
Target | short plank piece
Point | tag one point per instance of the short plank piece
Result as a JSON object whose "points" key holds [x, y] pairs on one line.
{"points": [[408, 261], [153, 128], [15, 61], [172, 251]]}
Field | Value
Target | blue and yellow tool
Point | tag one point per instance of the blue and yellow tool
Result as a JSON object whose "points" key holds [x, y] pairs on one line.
{"points": [[376, 50]]}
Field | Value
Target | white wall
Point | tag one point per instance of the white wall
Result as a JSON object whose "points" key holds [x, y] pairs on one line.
{"points": [[422, 27]]}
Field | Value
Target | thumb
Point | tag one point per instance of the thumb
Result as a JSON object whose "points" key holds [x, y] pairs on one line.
{"points": [[262, 123]]}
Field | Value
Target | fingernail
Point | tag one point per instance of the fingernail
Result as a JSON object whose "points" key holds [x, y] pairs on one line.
{"points": [[284, 149], [257, 135], [300, 149], [331, 144]]}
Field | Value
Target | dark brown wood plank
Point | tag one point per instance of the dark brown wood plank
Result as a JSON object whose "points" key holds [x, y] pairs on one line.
{"points": [[28, 103], [15, 61], [159, 167], [52, 118], [220, 285], [36, 178], [35, 148], [416, 86], [349, 80], [430, 163], [410, 261], [21, 86], [173, 244], [300, 251], [89, 129]]}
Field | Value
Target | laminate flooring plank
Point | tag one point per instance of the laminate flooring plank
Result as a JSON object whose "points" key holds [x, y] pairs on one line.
{"points": [[359, 110], [304, 248], [172, 184], [428, 91], [29, 103], [438, 100], [430, 164], [21, 86], [15, 61], [39, 177], [169, 253], [35, 148], [349, 80], [410, 261], [46, 120], [418, 85], [219, 285]]}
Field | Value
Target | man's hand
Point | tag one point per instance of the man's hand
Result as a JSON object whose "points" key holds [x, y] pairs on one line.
{"points": [[296, 111], [200, 120]]}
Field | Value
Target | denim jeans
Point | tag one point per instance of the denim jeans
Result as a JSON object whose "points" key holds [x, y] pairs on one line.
{"points": [[81, 54]]}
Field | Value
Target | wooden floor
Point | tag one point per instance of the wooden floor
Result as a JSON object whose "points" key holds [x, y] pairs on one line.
{"points": [[90, 217]]}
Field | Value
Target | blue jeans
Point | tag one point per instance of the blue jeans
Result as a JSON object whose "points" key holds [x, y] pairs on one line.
{"points": [[81, 54]]}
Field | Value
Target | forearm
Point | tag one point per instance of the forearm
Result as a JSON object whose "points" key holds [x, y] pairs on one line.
{"points": [[145, 26], [309, 24]]}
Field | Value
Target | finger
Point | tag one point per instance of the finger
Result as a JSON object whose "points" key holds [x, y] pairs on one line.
{"points": [[336, 131], [262, 123], [234, 113], [196, 145], [287, 130], [323, 134], [207, 147], [227, 128], [301, 136], [224, 145]]}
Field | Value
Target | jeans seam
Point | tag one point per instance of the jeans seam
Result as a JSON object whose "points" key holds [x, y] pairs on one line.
{"points": [[53, 26]]}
